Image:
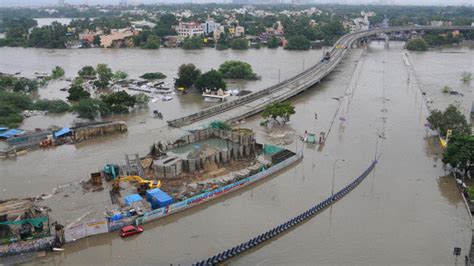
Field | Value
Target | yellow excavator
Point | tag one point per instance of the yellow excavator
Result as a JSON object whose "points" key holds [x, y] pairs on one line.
{"points": [[142, 184]]}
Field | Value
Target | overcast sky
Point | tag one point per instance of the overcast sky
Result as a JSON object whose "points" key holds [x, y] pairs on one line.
{"points": [[9, 3]]}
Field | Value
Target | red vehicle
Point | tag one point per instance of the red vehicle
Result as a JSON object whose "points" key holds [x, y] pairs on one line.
{"points": [[130, 230]]}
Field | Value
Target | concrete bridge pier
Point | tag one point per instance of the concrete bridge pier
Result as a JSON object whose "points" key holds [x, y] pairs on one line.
{"points": [[387, 41]]}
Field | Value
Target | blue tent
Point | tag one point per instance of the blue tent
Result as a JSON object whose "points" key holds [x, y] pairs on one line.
{"points": [[11, 133], [62, 132]]}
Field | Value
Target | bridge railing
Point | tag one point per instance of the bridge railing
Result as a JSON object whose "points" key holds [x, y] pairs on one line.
{"points": [[345, 41]]}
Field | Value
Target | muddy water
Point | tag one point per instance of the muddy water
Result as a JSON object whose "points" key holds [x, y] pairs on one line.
{"points": [[403, 213], [41, 171]]}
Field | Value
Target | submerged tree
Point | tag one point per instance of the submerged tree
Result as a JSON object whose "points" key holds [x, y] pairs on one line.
{"points": [[211, 80], [187, 75], [460, 153], [282, 110], [466, 77], [451, 119]]}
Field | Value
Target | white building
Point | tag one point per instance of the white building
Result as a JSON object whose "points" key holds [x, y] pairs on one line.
{"points": [[209, 26], [189, 29]]}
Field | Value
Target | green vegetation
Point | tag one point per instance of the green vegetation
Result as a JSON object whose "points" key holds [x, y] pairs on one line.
{"points": [[141, 100], [91, 108], [192, 43], [153, 42], [11, 106], [239, 44], [451, 119], [153, 75], [120, 75], [10, 83], [87, 72], [441, 39], [282, 110], [466, 77], [460, 153], [187, 75], [237, 70], [105, 74], [57, 72], [298, 42], [77, 92], [273, 43], [119, 102], [417, 44], [446, 89], [211, 80], [52, 36], [52, 106]]}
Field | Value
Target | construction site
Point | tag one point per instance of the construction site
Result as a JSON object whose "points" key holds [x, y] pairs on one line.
{"points": [[173, 176]]}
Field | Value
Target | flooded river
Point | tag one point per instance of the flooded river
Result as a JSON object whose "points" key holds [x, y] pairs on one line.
{"points": [[405, 212]]}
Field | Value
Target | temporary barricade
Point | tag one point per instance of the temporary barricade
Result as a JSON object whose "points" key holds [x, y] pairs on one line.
{"points": [[75, 232], [97, 227]]}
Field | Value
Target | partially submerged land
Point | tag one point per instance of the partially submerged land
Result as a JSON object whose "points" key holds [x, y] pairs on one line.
{"points": [[174, 176]]}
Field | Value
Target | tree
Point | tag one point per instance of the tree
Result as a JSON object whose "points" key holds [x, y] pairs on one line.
{"points": [[119, 102], [239, 44], [211, 80], [451, 118], [273, 43], [466, 77], [120, 75], [237, 70], [87, 72], [460, 153], [417, 44], [52, 106], [91, 108], [153, 75], [192, 43], [142, 99], [57, 72], [282, 110], [77, 92], [11, 105], [105, 75], [153, 42], [298, 42], [187, 75]]}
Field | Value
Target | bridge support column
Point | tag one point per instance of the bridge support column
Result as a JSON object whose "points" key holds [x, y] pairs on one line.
{"points": [[387, 41]]}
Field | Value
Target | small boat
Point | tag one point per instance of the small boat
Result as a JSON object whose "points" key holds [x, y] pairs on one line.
{"points": [[58, 249], [166, 98]]}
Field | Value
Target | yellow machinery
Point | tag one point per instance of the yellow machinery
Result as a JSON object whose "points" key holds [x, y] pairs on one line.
{"points": [[143, 184]]}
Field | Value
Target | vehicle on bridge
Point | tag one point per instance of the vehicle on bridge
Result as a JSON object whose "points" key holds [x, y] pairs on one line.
{"points": [[326, 57]]}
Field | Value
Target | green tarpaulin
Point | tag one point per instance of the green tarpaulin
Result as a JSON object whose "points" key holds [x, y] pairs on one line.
{"points": [[36, 222]]}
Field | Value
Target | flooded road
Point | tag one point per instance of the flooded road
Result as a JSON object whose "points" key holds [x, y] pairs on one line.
{"points": [[405, 212]]}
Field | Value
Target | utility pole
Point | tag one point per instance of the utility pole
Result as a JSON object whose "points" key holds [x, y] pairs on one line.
{"points": [[278, 75]]}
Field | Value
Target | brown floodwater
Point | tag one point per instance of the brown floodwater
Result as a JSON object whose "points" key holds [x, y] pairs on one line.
{"points": [[405, 212]]}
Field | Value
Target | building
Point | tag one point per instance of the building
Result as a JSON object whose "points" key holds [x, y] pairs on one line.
{"points": [[89, 36], [118, 38], [239, 31], [217, 32], [189, 29], [123, 3], [209, 26]]}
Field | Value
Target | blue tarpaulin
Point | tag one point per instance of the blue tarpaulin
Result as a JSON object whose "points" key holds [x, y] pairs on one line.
{"points": [[11, 133], [3, 129], [131, 198], [62, 132]]}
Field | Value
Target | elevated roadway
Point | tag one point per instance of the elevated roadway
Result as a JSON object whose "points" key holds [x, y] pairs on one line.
{"points": [[255, 102]]}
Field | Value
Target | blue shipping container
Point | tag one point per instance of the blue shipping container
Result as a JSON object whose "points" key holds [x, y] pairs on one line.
{"points": [[158, 198]]}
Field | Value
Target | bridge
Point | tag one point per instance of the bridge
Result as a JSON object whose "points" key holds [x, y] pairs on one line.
{"points": [[254, 103]]}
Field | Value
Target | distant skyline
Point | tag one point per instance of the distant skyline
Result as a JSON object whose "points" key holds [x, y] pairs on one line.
{"points": [[37, 3]]}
